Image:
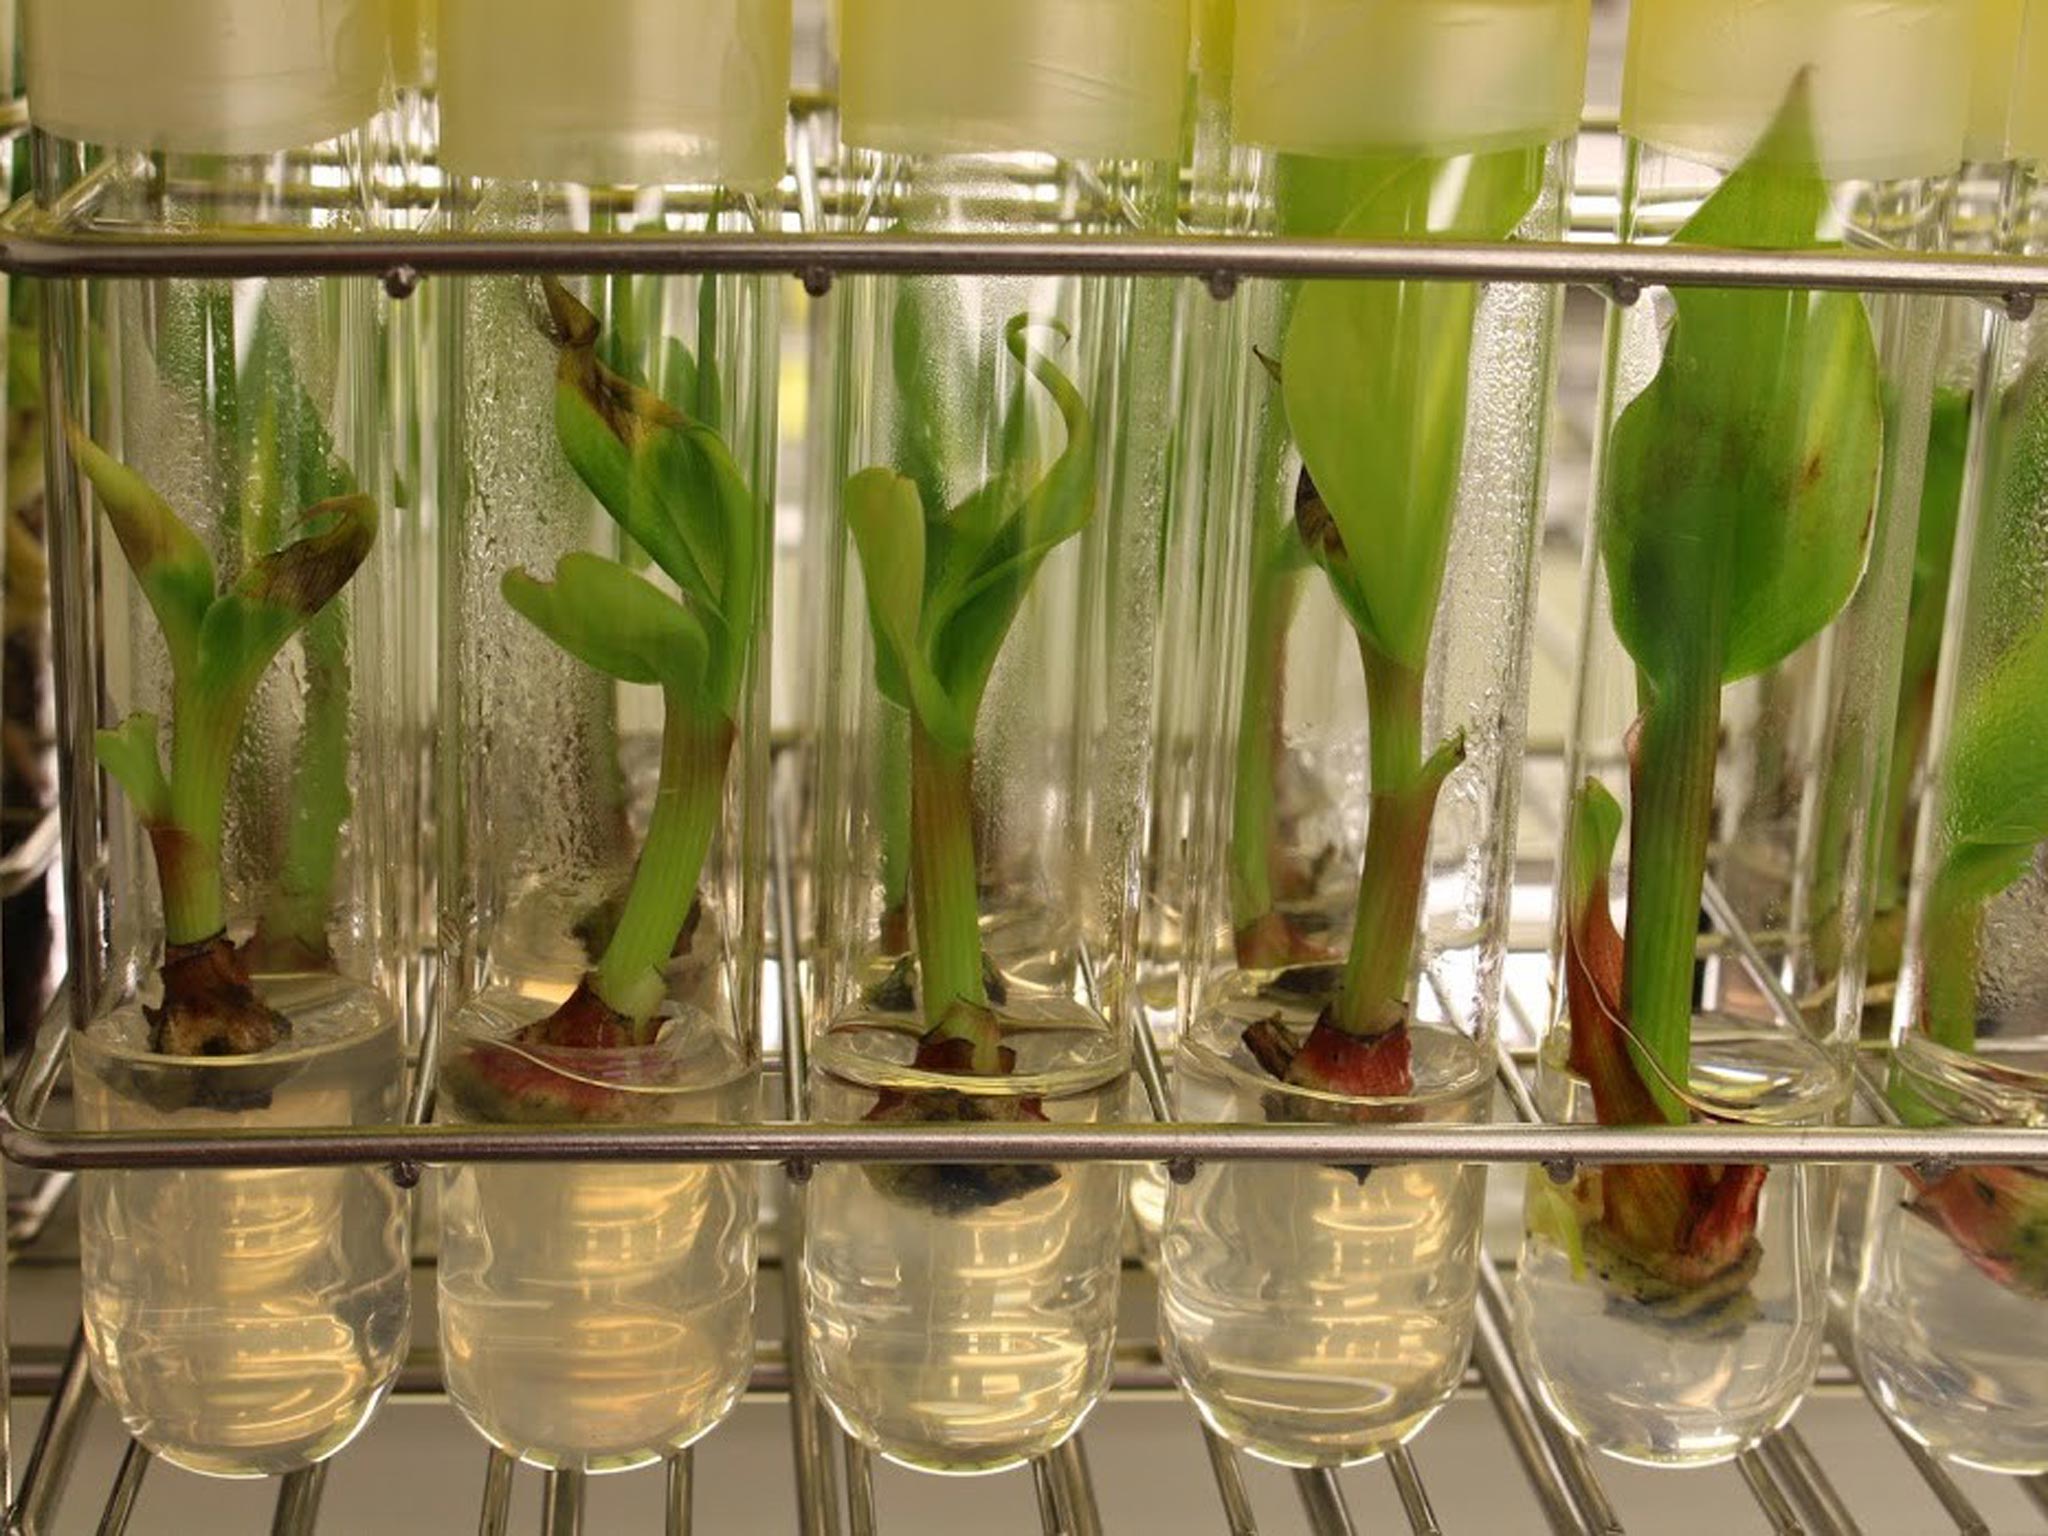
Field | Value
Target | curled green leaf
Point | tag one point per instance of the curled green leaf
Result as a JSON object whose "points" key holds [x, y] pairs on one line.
{"points": [[250, 622]]}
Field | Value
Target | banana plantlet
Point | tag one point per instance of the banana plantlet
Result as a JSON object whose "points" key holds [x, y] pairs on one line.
{"points": [[667, 478], [1736, 526], [1994, 820], [221, 643], [944, 587], [1375, 377]]}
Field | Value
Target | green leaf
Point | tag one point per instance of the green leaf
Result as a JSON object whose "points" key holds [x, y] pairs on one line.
{"points": [[1996, 790], [247, 626], [1741, 481], [671, 484], [1375, 376], [130, 754], [969, 617], [614, 621], [888, 526], [170, 564]]}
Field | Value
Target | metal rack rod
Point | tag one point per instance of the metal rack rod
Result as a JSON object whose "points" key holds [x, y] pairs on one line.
{"points": [[561, 1504], [1049, 1522], [27, 1216], [51, 1459], [860, 1489], [682, 1479], [1322, 1500], [127, 1489], [1185, 1141], [1414, 1497], [811, 1430], [1074, 1484], [1770, 1498], [298, 1501], [31, 247], [1238, 1517], [1573, 1462], [1521, 1419], [497, 1496], [1801, 1472]]}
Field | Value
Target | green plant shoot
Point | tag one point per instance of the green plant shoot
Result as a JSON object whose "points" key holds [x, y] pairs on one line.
{"points": [[286, 458], [1375, 379], [1994, 820], [1993, 807], [220, 645], [1739, 498], [663, 473], [944, 586]]}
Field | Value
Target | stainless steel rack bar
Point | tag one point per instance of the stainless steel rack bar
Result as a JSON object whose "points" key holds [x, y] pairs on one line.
{"points": [[1186, 1143], [1322, 1500], [31, 247], [126, 1490]]}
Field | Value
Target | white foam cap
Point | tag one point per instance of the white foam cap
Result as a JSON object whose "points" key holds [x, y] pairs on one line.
{"points": [[414, 24], [1335, 77], [619, 92], [1890, 79], [1082, 79], [2027, 124], [204, 76]]}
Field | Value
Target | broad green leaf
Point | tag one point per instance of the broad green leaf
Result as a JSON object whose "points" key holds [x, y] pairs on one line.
{"points": [[601, 437], [670, 482], [1375, 376], [614, 621], [932, 366], [888, 526], [130, 754], [968, 623], [1995, 793], [170, 564], [1741, 481], [250, 622]]}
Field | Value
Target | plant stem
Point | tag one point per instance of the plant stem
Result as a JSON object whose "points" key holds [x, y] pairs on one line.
{"points": [[1949, 948], [1895, 836], [1669, 832], [892, 798], [687, 803], [205, 725], [1404, 793], [1254, 802], [293, 927], [945, 904]]}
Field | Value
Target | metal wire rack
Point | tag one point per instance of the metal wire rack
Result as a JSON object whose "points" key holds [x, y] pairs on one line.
{"points": [[833, 1477]]}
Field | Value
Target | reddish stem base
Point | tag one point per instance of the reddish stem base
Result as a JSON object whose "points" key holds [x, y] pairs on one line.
{"points": [[515, 1083], [1997, 1216]]}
